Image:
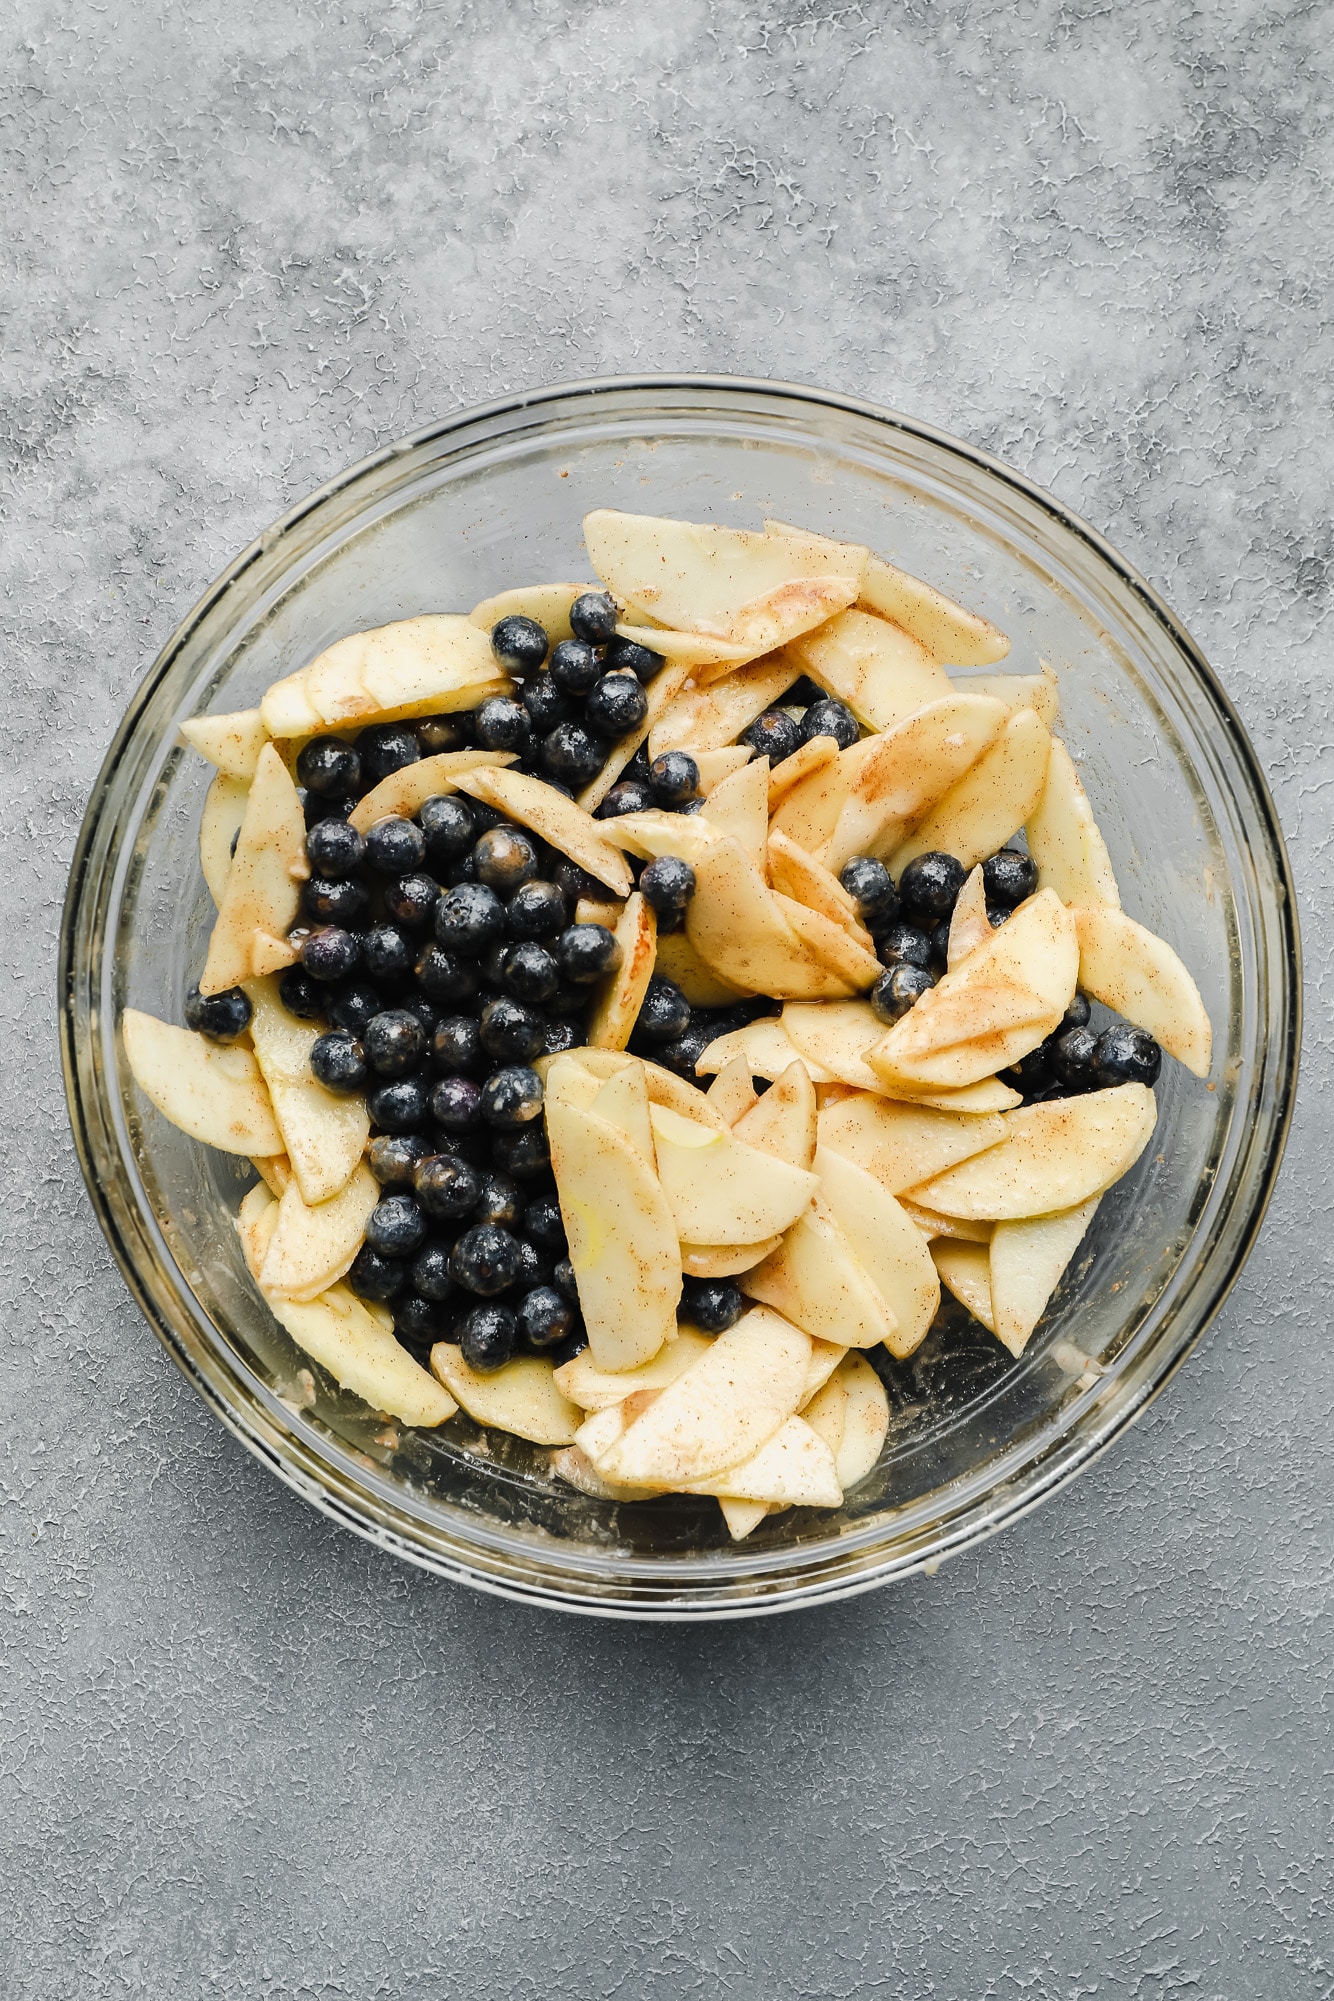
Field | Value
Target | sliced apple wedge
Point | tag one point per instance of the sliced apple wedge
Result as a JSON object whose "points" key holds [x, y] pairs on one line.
{"points": [[592, 1388], [323, 1135], [798, 875], [233, 743], [406, 791], [865, 1422], [970, 925], [413, 667], [716, 765], [932, 1223], [991, 802], [263, 888], [521, 1398], [784, 1121], [1132, 970], [342, 1334], [834, 1036], [313, 1247], [767, 1048], [706, 719], [901, 1145], [256, 1221], [739, 806], [794, 1468], [724, 1260], [850, 962], [274, 1170], [1064, 840], [951, 634], [966, 1270], [988, 1096], [808, 810], [888, 1245], [219, 825], [623, 1241], [877, 669], [814, 755], [664, 1088], [623, 1102], [722, 1191], [1039, 692], [825, 1358], [666, 685], [743, 1516], [732, 1093], [554, 818], [715, 1416], [1054, 1156], [896, 778], [686, 836], [1027, 1261], [687, 649], [827, 1411], [286, 710], [621, 994], [576, 1468], [817, 1281], [215, 1094], [549, 604], [752, 591], [736, 924]]}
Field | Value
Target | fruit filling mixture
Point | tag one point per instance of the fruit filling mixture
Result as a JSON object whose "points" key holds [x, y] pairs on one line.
{"points": [[639, 1001]]}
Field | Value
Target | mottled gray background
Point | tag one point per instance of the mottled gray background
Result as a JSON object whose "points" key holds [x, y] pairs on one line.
{"points": [[243, 1755]]}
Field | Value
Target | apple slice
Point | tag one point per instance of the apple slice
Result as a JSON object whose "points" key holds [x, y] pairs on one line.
{"points": [[825, 1358], [739, 806], [877, 669], [568, 1081], [724, 1260], [827, 1412], [965, 1269], [577, 1469], [814, 755], [666, 685], [549, 604], [732, 1094], [654, 832], [743, 1516], [405, 792], [263, 888], [215, 1094], [949, 633], [889, 1246], [702, 656], [796, 874], [706, 719], [784, 1121], [722, 1191], [767, 1048], [592, 1388], [621, 994], [817, 1281], [901, 1144], [1027, 1261], [970, 925], [256, 1221], [753, 591], [716, 765], [1039, 692], [808, 811], [835, 1036], [413, 667], [219, 825], [623, 1102], [521, 1398], [737, 926], [286, 711], [554, 819], [313, 1247], [274, 1170], [665, 1088], [794, 1468], [932, 1223], [233, 743], [623, 1242], [715, 1416], [323, 1135], [991, 802], [865, 1422], [1137, 973], [1064, 841], [342, 1334], [906, 772], [1054, 1156], [851, 962]]}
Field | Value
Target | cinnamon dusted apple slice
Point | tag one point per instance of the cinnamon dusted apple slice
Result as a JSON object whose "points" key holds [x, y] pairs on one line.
{"points": [[966, 1270], [1027, 1262], [794, 1468], [1064, 840], [825, 1358], [576, 1468], [690, 650], [665, 686], [521, 1398], [952, 635], [724, 1260], [991, 802], [743, 1516], [716, 765], [739, 806], [834, 1036], [932, 1223], [988, 1096], [233, 743], [343, 1334], [219, 825], [256, 1221], [623, 1102], [889, 1246], [798, 875], [970, 925], [1132, 970], [622, 992], [826, 1412], [214, 1093], [313, 1246], [707, 718], [847, 958], [263, 888], [901, 1145], [554, 818], [906, 772], [1054, 1156], [406, 791], [814, 755], [722, 1191], [423, 666], [875, 667], [752, 591], [592, 1388], [654, 832], [865, 1422], [808, 810], [736, 924], [767, 1048], [549, 604], [817, 1281], [664, 1088], [324, 1135], [1039, 692], [731, 1093], [679, 962], [784, 1121]]}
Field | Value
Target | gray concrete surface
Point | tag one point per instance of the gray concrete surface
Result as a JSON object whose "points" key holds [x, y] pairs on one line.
{"points": [[242, 1754]]}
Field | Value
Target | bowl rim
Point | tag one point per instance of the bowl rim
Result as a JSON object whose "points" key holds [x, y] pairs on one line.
{"points": [[314, 1477]]}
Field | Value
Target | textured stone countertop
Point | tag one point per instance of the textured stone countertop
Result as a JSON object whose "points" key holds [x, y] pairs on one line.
{"points": [[242, 1754]]}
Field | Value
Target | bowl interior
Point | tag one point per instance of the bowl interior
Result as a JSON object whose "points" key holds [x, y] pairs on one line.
{"points": [[496, 499]]}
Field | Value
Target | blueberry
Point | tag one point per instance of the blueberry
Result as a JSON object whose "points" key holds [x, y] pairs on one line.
{"points": [[574, 882], [667, 885], [502, 724], [575, 668], [630, 795], [712, 1304], [485, 1260], [419, 1323], [940, 945], [546, 706], [572, 755], [329, 767], [506, 858], [455, 1044], [904, 945], [394, 1158], [627, 656], [674, 777], [929, 886], [487, 1338], [615, 705], [456, 1104], [334, 849], [536, 910], [586, 952], [429, 1276], [318, 812], [593, 618], [469, 918], [222, 1017], [395, 846], [387, 953], [871, 887], [774, 735], [444, 976], [386, 748], [376, 1277], [529, 973], [330, 953], [1072, 1058], [438, 733], [664, 1015], [519, 644], [897, 990], [545, 1318], [521, 1151], [354, 1006], [400, 1106], [1008, 877], [543, 1223], [302, 996], [512, 1095], [395, 1227], [1032, 1073], [510, 1031], [333, 902], [830, 718], [448, 829], [1077, 1014], [559, 1036], [563, 1279], [493, 961], [411, 900], [462, 869], [498, 1201], [682, 1055], [568, 1000], [395, 1042], [1125, 1055], [446, 1186], [426, 1012]]}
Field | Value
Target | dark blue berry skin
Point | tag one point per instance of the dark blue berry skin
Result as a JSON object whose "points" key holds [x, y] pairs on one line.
{"points": [[340, 901], [929, 887], [411, 900], [544, 1224], [574, 668], [830, 718], [898, 990], [1077, 1014], [535, 911], [587, 952], [615, 705], [400, 1106], [1125, 1055], [1072, 1056], [394, 1158], [593, 618], [439, 733], [664, 1015], [501, 724], [302, 996], [627, 656], [560, 1036], [448, 829], [221, 1017], [462, 869], [445, 977], [395, 846], [511, 1032], [456, 1104], [511, 1096], [456, 1044], [545, 1319], [519, 644], [529, 973], [334, 849], [446, 1186], [871, 887], [330, 953], [546, 705], [1032, 1073], [318, 812], [375, 1277], [387, 953], [338, 1061], [572, 755], [394, 1041], [683, 1054], [506, 858], [396, 1227], [487, 1338], [429, 1276], [628, 795], [568, 1001], [353, 1007], [773, 735], [1008, 877], [521, 1151], [563, 1279], [469, 919], [485, 1260], [329, 767], [419, 1323], [498, 1201], [574, 882], [903, 945], [386, 748], [940, 945], [674, 777], [712, 1304], [667, 885]]}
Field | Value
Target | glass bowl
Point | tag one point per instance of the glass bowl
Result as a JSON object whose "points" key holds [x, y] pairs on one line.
{"points": [[494, 497]]}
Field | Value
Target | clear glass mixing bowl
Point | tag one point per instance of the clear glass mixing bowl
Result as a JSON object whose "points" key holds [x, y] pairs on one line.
{"points": [[494, 497]]}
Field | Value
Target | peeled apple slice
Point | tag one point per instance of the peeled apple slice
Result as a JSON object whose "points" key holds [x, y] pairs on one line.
{"points": [[423, 666], [233, 743], [622, 992], [313, 1247], [1027, 1261], [654, 832], [970, 925], [988, 1096], [722, 1191], [256, 1221], [1039, 692], [932, 1224], [623, 1102], [901, 1145], [716, 765], [575, 1467], [783, 1121], [794, 1468], [1132, 970], [798, 875], [991, 802], [743, 1516], [813, 756], [323, 1134], [739, 806], [951, 634], [522, 1398], [708, 718], [592, 1388], [737, 926], [825, 1358], [850, 960], [865, 1422], [1054, 1156], [808, 810], [678, 961], [724, 1260], [908, 771], [966, 1270], [767, 1048], [342, 1334], [835, 1036], [406, 791], [732, 1094], [816, 1280], [826, 1413], [875, 667], [263, 887], [549, 604], [889, 1246], [219, 824], [554, 819], [1064, 840], [214, 1093]]}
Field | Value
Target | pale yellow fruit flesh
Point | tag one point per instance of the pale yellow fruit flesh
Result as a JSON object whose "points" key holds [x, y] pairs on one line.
{"points": [[1054, 1156], [1026, 1264], [1064, 840], [323, 1134], [889, 1246], [901, 1145], [405, 792], [343, 1335], [991, 802], [722, 1191], [873, 666], [817, 1281], [521, 1398], [1132, 970], [214, 1093]]}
